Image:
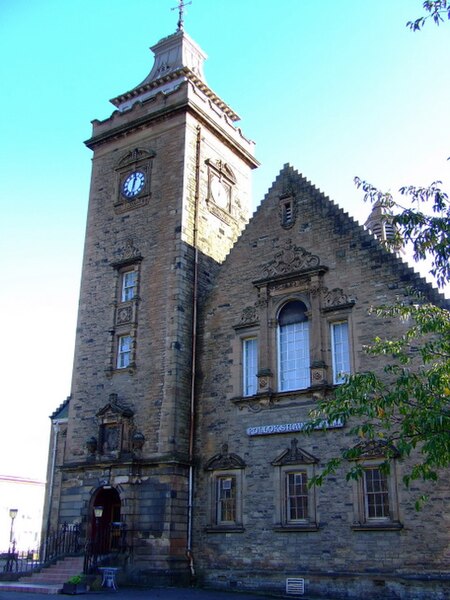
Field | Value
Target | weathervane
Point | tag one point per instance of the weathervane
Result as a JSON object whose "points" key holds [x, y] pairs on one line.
{"points": [[180, 8]]}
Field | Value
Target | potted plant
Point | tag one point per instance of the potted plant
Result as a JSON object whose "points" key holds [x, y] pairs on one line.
{"points": [[75, 585]]}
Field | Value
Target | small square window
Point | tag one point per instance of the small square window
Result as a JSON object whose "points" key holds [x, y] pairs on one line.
{"points": [[123, 351]]}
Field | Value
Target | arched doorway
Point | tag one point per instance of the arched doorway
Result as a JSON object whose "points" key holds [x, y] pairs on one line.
{"points": [[105, 529]]}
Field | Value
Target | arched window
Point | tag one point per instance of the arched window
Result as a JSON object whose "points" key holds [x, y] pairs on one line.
{"points": [[293, 347]]}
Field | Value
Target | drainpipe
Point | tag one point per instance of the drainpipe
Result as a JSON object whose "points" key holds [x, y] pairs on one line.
{"points": [[189, 553], [55, 426]]}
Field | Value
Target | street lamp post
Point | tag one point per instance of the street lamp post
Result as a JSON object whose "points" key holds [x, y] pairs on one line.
{"points": [[98, 512], [11, 561], [13, 514]]}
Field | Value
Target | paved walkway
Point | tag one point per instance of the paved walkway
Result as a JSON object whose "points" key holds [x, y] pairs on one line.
{"points": [[148, 594], [142, 594]]}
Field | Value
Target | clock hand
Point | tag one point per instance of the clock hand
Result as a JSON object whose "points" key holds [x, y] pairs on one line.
{"points": [[137, 183]]}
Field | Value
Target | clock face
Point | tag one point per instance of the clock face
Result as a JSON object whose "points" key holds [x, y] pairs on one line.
{"points": [[220, 193], [133, 184]]}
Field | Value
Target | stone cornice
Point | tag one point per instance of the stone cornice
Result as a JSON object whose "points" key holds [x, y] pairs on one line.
{"points": [[184, 105], [184, 72], [128, 461]]}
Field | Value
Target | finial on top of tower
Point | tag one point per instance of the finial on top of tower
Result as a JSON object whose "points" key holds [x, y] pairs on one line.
{"points": [[180, 7]]}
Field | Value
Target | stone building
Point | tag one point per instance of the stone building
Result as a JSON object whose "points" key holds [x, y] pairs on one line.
{"points": [[203, 341]]}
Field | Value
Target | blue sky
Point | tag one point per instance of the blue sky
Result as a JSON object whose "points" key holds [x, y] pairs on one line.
{"points": [[336, 89]]}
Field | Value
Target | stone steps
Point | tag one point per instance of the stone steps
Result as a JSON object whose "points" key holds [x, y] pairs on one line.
{"points": [[48, 581]]}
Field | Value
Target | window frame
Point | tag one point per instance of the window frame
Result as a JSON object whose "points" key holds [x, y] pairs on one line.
{"points": [[284, 521], [373, 498], [291, 498], [336, 380], [292, 461], [217, 524], [225, 504], [302, 364], [123, 294], [120, 353], [363, 521], [249, 371]]}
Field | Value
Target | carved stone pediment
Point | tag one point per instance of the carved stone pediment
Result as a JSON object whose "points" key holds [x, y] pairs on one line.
{"points": [[114, 409], [376, 449], [335, 298], [223, 169], [224, 461], [135, 156], [289, 259], [295, 456], [126, 252], [115, 426], [249, 316]]}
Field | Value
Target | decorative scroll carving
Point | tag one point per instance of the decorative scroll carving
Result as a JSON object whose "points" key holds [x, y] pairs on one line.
{"points": [[128, 251], [289, 259], [124, 314], [315, 289], [249, 316], [335, 297], [225, 461], [295, 456]]}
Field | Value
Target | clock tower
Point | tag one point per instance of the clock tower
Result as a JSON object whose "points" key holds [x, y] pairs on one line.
{"points": [[169, 196]]}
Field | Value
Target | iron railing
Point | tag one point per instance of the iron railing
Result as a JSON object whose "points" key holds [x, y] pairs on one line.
{"points": [[110, 545], [64, 542]]}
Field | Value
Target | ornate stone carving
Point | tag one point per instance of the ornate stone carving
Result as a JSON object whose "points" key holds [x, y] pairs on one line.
{"points": [[315, 289], [128, 251], [249, 316], [295, 456], [222, 168], [284, 286], [224, 461], [289, 259], [335, 297], [138, 440], [91, 445], [124, 314], [115, 421], [134, 156]]}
